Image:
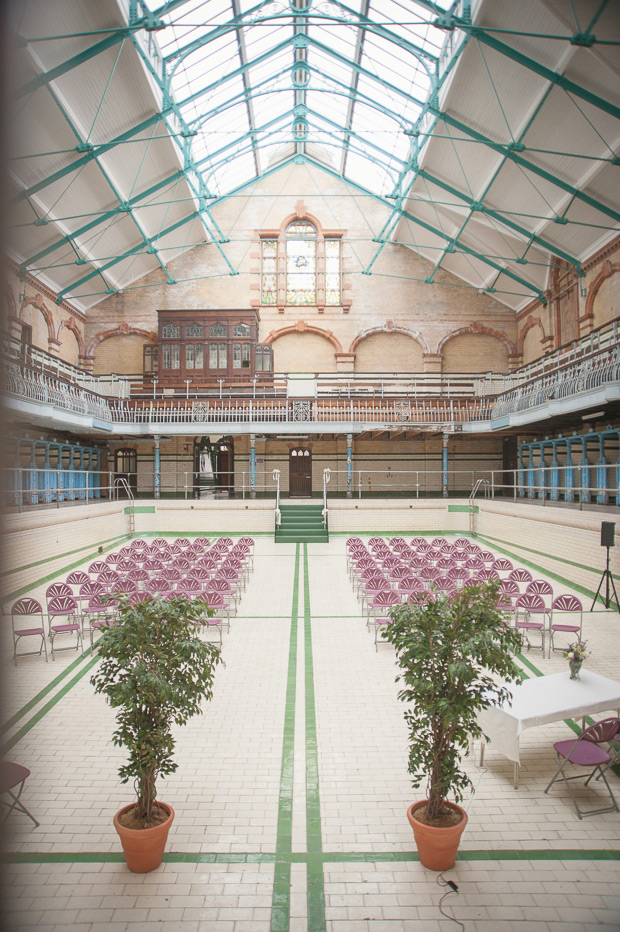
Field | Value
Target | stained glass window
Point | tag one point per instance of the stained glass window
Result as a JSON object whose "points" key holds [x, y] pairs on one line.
{"points": [[333, 273], [269, 270], [194, 331], [300, 263], [241, 330], [171, 332], [217, 330]]}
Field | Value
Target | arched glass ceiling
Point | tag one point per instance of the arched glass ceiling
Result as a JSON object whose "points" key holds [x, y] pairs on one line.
{"points": [[261, 82]]}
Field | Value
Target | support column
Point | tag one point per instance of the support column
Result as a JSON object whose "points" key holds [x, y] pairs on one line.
{"points": [[554, 494], [521, 471], [156, 469], [444, 466], [569, 474], [601, 472], [349, 465], [97, 483], [585, 472], [252, 465]]}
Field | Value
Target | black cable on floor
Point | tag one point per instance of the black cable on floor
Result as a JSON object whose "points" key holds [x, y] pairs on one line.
{"points": [[453, 888]]}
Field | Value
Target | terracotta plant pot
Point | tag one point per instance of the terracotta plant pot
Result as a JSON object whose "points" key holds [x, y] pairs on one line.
{"points": [[437, 847], [144, 848]]}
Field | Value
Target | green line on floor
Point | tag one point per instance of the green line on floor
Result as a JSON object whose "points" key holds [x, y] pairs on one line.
{"points": [[299, 857], [281, 896], [43, 692], [316, 888], [46, 708]]}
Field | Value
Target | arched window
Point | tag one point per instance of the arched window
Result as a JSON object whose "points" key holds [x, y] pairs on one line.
{"points": [[300, 241], [301, 266]]}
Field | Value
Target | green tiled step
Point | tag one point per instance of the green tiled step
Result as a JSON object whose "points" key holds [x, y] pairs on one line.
{"points": [[301, 524]]}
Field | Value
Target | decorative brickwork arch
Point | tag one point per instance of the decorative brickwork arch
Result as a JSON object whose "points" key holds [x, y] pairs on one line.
{"points": [[71, 324], [40, 304], [390, 327], [607, 270], [302, 327], [529, 323], [477, 327], [120, 331]]}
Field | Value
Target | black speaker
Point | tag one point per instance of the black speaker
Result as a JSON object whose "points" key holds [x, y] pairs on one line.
{"points": [[607, 533]]}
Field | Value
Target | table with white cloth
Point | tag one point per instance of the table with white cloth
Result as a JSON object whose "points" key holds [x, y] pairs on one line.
{"points": [[541, 700]]}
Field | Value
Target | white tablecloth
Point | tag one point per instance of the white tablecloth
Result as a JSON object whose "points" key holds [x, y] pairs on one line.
{"points": [[544, 699]]}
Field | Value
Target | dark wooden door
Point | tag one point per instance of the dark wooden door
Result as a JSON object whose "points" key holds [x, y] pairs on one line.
{"points": [[300, 472]]}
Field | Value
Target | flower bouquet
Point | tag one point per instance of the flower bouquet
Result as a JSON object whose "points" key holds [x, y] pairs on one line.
{"points": [[576, 653]]}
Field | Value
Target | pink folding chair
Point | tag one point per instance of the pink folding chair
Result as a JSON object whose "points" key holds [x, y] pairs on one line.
{"points": [[77, 578], [510, 590], [487, 558], [424, 546], [459, 574], [26, 622], [113, 558], [521, 576], [585, 751], [140, 577], [416, 541], [223, 587], [64, 607], [487, 575], [531, 614], [461, 542], [138, 544], [109, 579], [459, 555], [407, 586], [57, 589], [502, 565], [381, 606], [563, 608], [183, 541], [190, 586], [101, 614], [12, 782], [159, 586], [125, 566], [542, 588], [216, 601], [182, 563], [372, 587], [201, 573]]}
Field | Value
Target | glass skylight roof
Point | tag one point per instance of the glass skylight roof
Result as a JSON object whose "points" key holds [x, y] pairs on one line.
{"points": [[312, 76]]}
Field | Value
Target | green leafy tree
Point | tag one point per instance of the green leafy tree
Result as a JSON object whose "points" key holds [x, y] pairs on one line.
{"points": [[450, 652], [156, 671]]}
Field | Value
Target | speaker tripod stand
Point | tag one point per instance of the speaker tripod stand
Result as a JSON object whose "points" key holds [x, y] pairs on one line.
{"points": [[607, 578]]}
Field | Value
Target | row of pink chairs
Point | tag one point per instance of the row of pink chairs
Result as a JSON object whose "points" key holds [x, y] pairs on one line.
{"points": [[85, 603], [381, 580]]}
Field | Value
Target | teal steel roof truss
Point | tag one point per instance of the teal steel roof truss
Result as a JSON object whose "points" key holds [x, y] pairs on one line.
{"points": [[357, 88]]}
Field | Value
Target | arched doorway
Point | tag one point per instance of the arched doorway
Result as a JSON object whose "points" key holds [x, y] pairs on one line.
{"points": [[126, 467], [300, 472], [225, 465]]}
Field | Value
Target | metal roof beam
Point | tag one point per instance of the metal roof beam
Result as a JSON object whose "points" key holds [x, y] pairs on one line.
{"points": [[130, 252], [117, 35], [437, 232], [478, 32], [102, 218], [367, 24], [359, 45], [509, 153]]}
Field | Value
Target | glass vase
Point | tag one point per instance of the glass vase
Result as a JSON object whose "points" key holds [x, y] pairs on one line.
{"points": [[575, 669]]}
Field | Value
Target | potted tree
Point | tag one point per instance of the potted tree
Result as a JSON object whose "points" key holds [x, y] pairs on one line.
{"points": [[449, 650], [156, 671]]}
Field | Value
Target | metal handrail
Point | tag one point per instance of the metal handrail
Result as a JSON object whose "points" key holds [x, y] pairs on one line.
{"points": [[277, 515]]}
